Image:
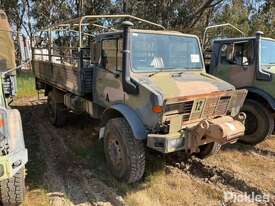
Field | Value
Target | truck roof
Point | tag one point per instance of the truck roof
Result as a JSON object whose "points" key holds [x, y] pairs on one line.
{"points": [[240, 39], [234, 39], [167, 32], [164, 32]]}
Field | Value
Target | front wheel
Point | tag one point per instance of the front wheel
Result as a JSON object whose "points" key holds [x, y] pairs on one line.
{"points": [[259, 123], [125, 155], [208, 150], [13, 190]]}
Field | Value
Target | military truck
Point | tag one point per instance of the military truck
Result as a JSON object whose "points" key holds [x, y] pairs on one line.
{"points": [[247, 63], [13, 154], [149, 88]]}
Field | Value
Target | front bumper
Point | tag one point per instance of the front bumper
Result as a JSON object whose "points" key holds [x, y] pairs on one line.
{"points": [[10, 164], [222, 130]]}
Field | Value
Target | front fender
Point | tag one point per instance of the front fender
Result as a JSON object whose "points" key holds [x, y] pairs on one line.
{"points": [[136, 124], [12, 141], [267, 97]]}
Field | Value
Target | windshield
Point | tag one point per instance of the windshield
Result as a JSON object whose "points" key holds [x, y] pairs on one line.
{"points": [[267, 52], [154, 52]]}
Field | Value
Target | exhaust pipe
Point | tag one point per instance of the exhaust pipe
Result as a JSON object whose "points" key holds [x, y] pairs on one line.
{"points": [[128, 85]]}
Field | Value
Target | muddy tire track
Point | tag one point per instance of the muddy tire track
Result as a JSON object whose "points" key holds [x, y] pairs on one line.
{"points": [[255, 150], [65, 177], [263, 152], [218, 176]]}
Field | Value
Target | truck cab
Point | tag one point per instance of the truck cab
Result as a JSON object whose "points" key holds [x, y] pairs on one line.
{"points": [[248, 63], [149, 88]]}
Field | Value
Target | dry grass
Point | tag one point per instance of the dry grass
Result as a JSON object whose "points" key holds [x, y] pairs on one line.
{"points": [[36, 197], [255, 169], [268, 144], [174, 189]]}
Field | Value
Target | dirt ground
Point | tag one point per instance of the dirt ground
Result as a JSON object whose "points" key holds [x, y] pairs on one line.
{"points": [[66, 167]]}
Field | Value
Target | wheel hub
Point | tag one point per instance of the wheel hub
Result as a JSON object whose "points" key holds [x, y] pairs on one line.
{"points": [[115, 152]]}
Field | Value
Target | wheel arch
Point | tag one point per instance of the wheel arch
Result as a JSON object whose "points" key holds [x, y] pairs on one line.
{"points": [[261, 96], [122, 110]]}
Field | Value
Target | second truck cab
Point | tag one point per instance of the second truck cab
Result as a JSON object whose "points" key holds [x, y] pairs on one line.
{"points": [[249, 63]]}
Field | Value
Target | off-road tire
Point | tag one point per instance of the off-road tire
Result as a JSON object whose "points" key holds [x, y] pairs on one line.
{"points": [[13, 190], [208, 150], [131, 152], [263, 119], [57, 111]]}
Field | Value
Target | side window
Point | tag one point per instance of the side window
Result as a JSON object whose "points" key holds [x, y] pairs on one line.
{"points": [[111, 56], [237, 54]]}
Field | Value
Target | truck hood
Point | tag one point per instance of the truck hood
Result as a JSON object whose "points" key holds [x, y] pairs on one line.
{"points": [[185, 84]]}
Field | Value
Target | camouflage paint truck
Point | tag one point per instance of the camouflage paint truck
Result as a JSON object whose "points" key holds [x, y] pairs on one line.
{"points": [[13, 154], [248, 63], [148, 88]]}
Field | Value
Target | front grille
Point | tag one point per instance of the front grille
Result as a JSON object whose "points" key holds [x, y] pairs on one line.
{"points": [[222, 106], [183, 108], [212, 106]]}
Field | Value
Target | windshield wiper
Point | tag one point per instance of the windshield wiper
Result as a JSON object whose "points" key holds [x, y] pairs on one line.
{"points": [[159, 71], [171, 69], [177, 74], [185, 70]]}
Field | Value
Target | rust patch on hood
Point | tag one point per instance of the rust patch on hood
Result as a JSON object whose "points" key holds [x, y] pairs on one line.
{"points": [[188, 84]]}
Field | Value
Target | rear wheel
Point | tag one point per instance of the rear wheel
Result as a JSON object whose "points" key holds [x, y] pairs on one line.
{"points": [[13, 190], [208, 150], [259, 122], [57, 111], [125, 155]]}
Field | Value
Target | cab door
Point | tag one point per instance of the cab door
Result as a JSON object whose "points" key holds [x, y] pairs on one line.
{"points": [[236, 63], [108, 77]]}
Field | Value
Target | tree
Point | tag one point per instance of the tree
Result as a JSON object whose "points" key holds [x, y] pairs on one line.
{"points": [[264, 19]]}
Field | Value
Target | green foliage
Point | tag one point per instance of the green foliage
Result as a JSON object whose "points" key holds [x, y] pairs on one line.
{"points": [[249, 17], [25, 84], [189, 16], [264, 19]]}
